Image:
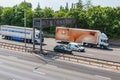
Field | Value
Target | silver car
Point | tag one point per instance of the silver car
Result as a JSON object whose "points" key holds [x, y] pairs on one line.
{"points": [[76, 47]]}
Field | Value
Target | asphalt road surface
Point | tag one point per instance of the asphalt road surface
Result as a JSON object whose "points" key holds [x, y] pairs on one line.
{"points": [[16, 65], [112, 54]]}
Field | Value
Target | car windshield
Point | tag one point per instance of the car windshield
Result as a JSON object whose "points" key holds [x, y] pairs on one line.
{"points": [[80, 45], [76, 46], [64, 47], [105, 41]]}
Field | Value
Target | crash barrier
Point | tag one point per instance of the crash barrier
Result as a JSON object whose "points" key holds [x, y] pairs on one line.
{"points": [[16, 47], [91, 61], [74, 58]]}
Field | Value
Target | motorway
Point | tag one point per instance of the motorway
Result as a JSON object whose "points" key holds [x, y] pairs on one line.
{"points": [[113, 54], [16, 65]]}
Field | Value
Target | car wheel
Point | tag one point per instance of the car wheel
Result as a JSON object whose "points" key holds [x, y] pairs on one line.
{"points": [[55, 50], [101, 46], [79, 50], [70, 52]]}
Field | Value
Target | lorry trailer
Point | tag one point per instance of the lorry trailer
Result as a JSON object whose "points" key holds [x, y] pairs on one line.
{"points": [[84, 36], [20, 33]]}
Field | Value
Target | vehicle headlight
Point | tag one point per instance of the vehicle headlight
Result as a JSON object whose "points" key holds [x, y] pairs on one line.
{"points": [[82, 47]]}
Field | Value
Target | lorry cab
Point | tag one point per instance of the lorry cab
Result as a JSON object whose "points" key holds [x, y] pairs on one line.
{"points": [[37, 36], [103, 41]]}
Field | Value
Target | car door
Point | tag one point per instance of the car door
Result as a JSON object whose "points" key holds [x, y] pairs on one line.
{"points": [[76, 47], [73, 47], [61, 49]]}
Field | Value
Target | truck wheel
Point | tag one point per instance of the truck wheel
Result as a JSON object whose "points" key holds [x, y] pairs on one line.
{"points": [[89, 45], [9, 38], [84, 44], [101, 46], [5, 37], [29, 41], [105, 47]]}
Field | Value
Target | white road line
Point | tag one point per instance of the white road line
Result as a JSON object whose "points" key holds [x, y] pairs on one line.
{"points": [[42, 73], [102, 77]]}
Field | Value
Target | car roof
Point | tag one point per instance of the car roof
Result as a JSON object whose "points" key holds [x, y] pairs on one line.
{"points": [[73, 43], [59, 45]]}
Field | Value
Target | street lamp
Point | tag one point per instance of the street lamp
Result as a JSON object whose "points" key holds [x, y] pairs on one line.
{"points": [[25, 23]]}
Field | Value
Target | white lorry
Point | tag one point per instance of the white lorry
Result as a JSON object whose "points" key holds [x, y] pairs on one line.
{"points": [[83, 36], [20, 33]]}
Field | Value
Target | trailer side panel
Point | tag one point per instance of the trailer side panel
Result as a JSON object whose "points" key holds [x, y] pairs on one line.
{"points": [[76, 35]]}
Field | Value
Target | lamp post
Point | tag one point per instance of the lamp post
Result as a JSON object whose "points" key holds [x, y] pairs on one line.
{"points": [[25, 23]]}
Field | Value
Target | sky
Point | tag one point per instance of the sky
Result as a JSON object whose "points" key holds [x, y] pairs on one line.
{"points": [[55, 4]]}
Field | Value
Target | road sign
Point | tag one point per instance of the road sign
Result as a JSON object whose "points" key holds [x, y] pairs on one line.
{"points": [[50, 22]]}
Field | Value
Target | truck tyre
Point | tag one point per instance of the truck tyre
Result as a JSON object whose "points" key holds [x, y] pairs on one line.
{"points": [[105, 47], [101, 46], [9, 38], [29, 41], [90, 45], [5, 37], [83, 43]]}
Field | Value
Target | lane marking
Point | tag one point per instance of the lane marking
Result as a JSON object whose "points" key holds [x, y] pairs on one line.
{"points": [[102, 77], [42, 73]]}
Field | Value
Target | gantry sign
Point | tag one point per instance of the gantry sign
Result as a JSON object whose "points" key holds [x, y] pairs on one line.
{"points": [[49, 22]]}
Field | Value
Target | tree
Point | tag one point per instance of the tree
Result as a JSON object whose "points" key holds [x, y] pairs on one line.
{"points": [[7, 16], [79, 4], [88, 4], [59, 14], [19, 14], [72, 6], [62, 8], [25, 5], [83, 20], [48, 12], [1, 11], [66, 7], [38, 12], [73, 13]]}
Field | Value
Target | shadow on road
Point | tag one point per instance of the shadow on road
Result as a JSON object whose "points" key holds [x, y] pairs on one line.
{"points": [[62, 42], [105, 49], [47, 55]]}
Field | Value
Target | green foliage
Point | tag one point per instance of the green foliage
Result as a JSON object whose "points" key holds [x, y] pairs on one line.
{"points": [[38, 12], [29, 17], [66, 7], [7, 15], [48, 12], [105, 19], [26, 5], [49, 30], [59, 14], [1, 11], [79, 4]]}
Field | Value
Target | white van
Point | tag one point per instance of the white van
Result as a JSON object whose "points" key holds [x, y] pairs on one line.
{"points": [[76, 47]]}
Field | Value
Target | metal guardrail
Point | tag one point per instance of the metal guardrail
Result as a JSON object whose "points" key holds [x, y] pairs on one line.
{"points": [[92, 61], [74, 58], [15, 47]]}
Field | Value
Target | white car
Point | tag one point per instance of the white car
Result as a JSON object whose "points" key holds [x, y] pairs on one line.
{"points": [[76, 47]]}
